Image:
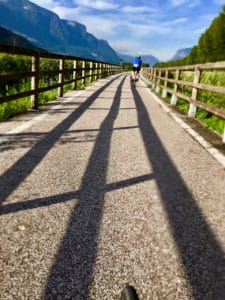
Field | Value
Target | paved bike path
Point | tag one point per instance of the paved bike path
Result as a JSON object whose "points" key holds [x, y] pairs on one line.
{"points": [[105, 190]]}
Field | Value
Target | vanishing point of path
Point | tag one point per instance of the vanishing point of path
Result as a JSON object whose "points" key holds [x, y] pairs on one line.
{"points": [[107, 189]]}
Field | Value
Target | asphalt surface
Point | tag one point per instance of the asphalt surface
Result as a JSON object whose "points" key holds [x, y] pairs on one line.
{"points": [[106, 189]]}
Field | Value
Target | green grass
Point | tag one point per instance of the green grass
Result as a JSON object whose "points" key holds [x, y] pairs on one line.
{"points": [[214, 78], [13, 108]]}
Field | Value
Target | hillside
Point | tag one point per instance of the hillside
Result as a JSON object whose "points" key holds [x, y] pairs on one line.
{"points": [[147, 59], [7, 37], [44, 29], [181, 53]]}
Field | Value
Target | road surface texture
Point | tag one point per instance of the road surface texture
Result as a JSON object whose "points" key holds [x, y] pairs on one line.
{"points": [[105, 189]]}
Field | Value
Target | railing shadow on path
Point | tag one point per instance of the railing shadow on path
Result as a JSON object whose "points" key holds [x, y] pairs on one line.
{"points": [[200, 253], [71, 274], [14, 176]]}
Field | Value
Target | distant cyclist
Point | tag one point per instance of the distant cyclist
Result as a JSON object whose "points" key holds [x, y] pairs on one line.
{"points": [[136, 67]]}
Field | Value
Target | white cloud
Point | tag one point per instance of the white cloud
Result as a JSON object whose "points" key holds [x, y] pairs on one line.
{"points": [[194, 3], [67, 13], [99, 4], [220, 2], [49, 4], [189, 4], [146, 28], [178, 2], [94, 25], [132, 48], [179, 21], [137, 9], [126, 46]]}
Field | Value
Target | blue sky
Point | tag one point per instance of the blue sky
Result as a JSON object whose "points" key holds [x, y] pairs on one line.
{"points": [[154, 27]]}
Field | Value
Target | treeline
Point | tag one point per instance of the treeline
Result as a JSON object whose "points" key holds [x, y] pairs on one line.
{"points": [[210, 48], [128, 66]]}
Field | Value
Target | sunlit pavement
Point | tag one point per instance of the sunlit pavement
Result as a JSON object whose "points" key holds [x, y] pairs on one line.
{"points": [[107, 189]]}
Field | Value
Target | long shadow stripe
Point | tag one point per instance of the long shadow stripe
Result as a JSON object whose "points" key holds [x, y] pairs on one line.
{"points": [[60, 198], [12, 178], [202, 257], [71, 274]]}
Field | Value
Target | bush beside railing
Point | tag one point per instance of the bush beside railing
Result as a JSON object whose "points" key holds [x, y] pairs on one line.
{"points": [[169, 81], [80, 69]]}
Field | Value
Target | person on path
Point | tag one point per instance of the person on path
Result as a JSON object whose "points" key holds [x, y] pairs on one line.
{"points": [[136, 67]]}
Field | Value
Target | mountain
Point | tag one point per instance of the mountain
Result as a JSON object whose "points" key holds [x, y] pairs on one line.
{"points": [[181, 53], [7, 37], [147, 59], [44, 29]]}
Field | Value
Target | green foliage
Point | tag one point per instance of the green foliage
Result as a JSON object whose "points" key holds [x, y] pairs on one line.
{"points": [[13, 64], [12, 108], [210, 48], [215, 78], [127, 67]]}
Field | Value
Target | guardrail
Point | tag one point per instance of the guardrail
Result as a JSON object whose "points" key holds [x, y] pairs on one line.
{"points": [[168, 81], [81, 70]]}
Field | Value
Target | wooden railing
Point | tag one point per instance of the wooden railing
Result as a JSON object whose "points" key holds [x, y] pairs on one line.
{"points": [[81, 70], [168, 81]]}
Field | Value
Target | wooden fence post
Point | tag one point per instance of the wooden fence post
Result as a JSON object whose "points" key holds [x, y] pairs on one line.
{"points": [[35, 62], [96, 71], [83, 72], [100, 70], [153, 78], [175, 88], [224, 135], [194, 95], [75, 75], [157, 89], [91, 71], [61, 76], [150, 75], [109, 70], [164, 93]]}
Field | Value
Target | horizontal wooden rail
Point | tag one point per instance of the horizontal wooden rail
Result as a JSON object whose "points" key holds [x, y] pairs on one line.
{"points": [[161, 80], [80, 70]]}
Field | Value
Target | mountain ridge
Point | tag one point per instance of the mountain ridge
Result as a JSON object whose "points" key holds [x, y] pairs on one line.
{"points": [[8, 37], [147, 59], [181, 53], [44, 29]]}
